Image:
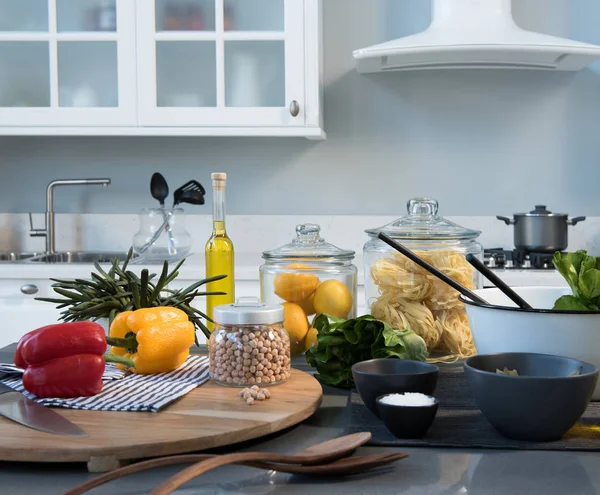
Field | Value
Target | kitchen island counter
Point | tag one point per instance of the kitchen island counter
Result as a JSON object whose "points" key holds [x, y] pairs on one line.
{"points": [[426, 471]]}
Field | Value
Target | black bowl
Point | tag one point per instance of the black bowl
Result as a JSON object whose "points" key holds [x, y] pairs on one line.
{"points": [[541, 404], [406, 421], [378, 377]]}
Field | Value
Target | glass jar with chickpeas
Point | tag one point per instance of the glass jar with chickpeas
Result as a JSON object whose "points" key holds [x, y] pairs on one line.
{"points": [[248, 345]]}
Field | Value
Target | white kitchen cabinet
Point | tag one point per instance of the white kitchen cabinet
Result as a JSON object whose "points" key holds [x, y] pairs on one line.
{"points": [[20, 311], [67, 63], [161, 67]]}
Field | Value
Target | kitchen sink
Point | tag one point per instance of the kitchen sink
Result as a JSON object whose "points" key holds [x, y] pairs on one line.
{"points": [[79, 257], [11, 257]]}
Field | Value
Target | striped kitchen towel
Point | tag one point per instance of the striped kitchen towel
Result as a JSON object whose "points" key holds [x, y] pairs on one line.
{"points": [[131, 392], [111, 372]]}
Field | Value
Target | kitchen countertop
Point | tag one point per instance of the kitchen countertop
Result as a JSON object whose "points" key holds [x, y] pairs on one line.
{"points": [[426, 471], [246, 268]]}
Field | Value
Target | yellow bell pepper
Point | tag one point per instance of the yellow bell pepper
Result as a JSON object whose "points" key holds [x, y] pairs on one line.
{"points": [[156, 339]]}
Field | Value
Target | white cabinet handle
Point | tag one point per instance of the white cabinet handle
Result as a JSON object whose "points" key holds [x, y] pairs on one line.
{"points": [[29, 289]]}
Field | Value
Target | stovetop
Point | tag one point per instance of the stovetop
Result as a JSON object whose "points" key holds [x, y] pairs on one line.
{"points": [[504, 259]]}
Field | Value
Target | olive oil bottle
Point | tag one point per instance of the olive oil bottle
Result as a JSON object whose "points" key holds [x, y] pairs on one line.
{"points": [[219, 252]]}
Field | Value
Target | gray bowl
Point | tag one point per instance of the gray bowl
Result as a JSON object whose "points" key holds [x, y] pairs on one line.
{"points": [[378, 377], [541, 404]]}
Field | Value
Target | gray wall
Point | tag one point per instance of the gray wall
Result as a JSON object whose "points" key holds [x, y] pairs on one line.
{"points": [[481, 142]]}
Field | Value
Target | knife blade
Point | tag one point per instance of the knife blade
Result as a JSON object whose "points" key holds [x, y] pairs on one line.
{"points": [[16, 407]]}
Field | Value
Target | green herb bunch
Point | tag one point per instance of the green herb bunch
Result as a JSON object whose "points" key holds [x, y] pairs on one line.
{"points": [[118, 289], [342, 343]]}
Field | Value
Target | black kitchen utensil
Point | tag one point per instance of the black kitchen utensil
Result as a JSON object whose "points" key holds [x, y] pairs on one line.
{"points": [[192, 197], [192, 192], [492, 277], [431, 269], [160, 190]]}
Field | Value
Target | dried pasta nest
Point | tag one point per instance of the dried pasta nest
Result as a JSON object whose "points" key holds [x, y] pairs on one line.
{"points": [[410, 297]]}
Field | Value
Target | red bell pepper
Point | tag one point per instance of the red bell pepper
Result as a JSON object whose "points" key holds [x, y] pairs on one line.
{"points": [[65, 359], [78, 375]]}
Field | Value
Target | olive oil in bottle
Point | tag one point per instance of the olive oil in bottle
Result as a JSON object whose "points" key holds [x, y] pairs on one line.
{"points": [[219, 252]]}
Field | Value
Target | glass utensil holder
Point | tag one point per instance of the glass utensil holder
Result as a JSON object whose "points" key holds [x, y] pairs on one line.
{"points": [[162, 235]]}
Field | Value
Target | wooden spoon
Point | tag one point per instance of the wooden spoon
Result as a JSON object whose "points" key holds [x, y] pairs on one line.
{"points": [[320, 453], [342, 467], [317, 454]]}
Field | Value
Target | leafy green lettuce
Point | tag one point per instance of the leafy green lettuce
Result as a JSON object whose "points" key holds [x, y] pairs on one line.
{"points": [[342, 343], [582, 273]]}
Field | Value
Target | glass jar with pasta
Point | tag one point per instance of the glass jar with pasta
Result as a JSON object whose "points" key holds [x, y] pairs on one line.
{"points": [[403, 294]]}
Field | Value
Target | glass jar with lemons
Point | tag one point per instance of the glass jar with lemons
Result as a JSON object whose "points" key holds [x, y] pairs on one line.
{"points": [[308, 277]]}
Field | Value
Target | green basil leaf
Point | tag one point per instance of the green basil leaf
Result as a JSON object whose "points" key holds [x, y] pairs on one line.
{"points": [[342, 343]]}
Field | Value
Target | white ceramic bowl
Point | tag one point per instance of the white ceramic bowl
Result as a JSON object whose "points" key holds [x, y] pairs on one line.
{"points": [[503, 327]]}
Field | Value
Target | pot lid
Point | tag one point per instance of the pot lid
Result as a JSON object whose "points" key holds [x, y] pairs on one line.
{"points": [[248, 311], [423, 223], [308, 244], [540, 211]]}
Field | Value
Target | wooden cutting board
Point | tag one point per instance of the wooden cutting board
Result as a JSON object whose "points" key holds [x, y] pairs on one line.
{"points": [[207, 417]]}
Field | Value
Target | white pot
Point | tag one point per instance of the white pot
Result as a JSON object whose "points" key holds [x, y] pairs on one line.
{"points": [[574, 334]]}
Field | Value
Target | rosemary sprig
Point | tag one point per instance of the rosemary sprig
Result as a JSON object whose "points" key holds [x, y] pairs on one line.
{"points": [[119, 289]]}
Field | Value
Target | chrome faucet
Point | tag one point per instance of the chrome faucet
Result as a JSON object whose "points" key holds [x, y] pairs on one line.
{"points": [[48, 231]]}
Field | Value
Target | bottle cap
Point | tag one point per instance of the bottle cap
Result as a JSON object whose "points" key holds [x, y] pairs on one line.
{"points": [[218, 176]]}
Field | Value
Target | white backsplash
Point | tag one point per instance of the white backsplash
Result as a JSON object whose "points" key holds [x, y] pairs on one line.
{"points": [[251, 234]]}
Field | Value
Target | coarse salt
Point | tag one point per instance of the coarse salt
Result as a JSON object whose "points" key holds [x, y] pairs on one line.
{"points": [[408, 399]]}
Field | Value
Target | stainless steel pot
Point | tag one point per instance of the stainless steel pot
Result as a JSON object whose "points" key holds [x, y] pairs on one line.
{"points": [[541, 230]]}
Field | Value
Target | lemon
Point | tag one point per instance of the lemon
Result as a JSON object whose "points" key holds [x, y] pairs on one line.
{"points": [[308, 305], [295, 287], [296, 325], [334, 298], [311, 338]]}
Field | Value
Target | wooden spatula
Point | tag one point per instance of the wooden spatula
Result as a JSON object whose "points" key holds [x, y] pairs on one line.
{"points": [[322, 452], [346, 466], [317, 454]]}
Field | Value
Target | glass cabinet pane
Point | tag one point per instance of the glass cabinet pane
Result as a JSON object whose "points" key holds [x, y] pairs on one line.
{"points": [[24, 74], [86, 15], [87, 74], [186, 74], [253, 15], [254, 73], [24, 15], [185, 15]]}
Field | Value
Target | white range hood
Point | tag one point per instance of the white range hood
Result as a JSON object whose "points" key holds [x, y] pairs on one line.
{"points": [[467, 34]]}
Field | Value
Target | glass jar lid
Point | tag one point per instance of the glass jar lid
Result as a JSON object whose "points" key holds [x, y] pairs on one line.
{"points": [[248, 311], [308, 244], [423, 223]]}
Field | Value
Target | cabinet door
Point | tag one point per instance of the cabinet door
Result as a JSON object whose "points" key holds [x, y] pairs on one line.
{"points": [[20, 311], [237, 63], [67, 62]]}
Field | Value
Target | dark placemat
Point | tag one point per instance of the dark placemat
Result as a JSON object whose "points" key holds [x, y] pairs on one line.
{"points": [[459, 423]]}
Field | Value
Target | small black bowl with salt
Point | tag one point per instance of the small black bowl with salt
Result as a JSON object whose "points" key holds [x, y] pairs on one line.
{"points": [[407, 415]]}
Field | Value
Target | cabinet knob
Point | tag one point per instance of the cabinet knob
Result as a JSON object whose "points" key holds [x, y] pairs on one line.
{"points": [[294, 108], [29, 289]]}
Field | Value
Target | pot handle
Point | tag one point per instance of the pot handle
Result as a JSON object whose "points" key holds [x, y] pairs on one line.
{"points": [[575, 221], [509, 221]]}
